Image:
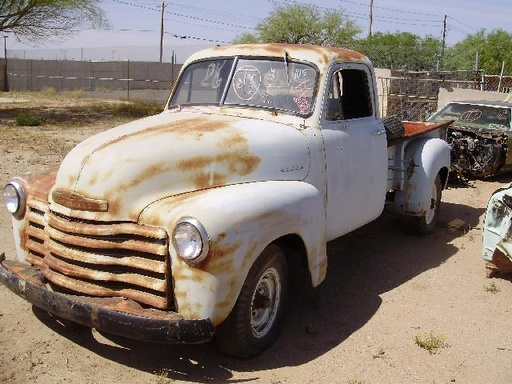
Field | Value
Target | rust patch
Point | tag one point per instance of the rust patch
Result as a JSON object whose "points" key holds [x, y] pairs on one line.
{"points": [[149, 172], [237, 159], [322, 54], [500, 262], [74, 200], [38, 185], [194, 126]]}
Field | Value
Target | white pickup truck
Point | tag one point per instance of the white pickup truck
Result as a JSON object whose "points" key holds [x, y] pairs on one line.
{"points": [[186, 226]]}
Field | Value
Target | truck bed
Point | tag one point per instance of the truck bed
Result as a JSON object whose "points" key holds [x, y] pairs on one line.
{"points": [[414, 128]]}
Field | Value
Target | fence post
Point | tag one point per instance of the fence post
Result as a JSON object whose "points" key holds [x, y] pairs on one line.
{"points": [[89, 75], [31, 75], [128, 80]]}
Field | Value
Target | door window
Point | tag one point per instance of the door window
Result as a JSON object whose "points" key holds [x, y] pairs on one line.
{"points": [[349, 95]]}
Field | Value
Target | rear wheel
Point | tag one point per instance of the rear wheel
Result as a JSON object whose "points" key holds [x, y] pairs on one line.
{"points": [[254, 323], [425, 224]]}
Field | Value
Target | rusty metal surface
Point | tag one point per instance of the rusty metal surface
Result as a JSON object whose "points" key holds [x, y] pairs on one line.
{"points": [[80, 202], [318, 55], [250, 175], [207, 151], [417, 128], [97, 258], [112, 315]]}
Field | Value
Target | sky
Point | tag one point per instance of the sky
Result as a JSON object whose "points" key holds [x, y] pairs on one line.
{"points": [[195, 24]]}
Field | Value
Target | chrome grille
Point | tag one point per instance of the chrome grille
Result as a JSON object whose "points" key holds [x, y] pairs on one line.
{"points": [[100, 258]]}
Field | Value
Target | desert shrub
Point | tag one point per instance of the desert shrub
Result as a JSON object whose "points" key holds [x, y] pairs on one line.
{"points": [[137, 109], [28, 120], [48, 91], [430, 342]]}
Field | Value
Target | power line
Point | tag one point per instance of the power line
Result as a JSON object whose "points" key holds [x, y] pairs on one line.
{"points": [[196, 38], [212, 12], [197, 18], [460, 22], [391, 9]]}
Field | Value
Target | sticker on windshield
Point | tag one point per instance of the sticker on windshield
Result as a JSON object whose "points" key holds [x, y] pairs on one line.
{"points": [[246, 82], [471, 115]]}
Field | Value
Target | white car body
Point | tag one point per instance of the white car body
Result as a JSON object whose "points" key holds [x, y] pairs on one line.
{"points": [[251, 175]]}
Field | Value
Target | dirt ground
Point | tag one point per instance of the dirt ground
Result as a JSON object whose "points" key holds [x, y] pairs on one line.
{"points": [[384, 289]]}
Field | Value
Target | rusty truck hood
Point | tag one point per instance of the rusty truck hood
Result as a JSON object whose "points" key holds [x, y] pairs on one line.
{"points": [[115, 174]]}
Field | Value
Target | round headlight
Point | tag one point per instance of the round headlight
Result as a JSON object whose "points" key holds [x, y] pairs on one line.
{"points": [[14, 198], [190, 240]]}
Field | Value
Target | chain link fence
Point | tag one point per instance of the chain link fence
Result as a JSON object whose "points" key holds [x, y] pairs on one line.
{"points": [[414, 95]]}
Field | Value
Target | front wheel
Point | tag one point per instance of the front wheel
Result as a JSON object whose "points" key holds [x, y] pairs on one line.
{"points": [[425, 224], [254, 323]]}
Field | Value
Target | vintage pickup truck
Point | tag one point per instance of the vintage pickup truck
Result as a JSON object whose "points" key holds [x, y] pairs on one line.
{"points": [[188, 226]]}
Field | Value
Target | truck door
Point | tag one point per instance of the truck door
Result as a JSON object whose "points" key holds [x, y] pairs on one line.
{"points": [[355, 150]]}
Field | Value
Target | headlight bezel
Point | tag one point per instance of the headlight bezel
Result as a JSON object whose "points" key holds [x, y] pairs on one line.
{"points": [[21, 198], [185, 235]]}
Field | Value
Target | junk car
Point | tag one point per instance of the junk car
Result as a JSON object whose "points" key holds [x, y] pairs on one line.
{"points": [[497, 232], [479, 138]]}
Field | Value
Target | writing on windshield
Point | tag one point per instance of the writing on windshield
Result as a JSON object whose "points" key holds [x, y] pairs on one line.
{"points": [[275, 84]]}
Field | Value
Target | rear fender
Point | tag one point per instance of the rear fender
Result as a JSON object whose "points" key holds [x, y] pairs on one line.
{"points": [[424, 159], [241, 220]]}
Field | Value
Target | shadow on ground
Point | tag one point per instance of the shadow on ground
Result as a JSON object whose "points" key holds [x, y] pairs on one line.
{"points": [[362, 265]]}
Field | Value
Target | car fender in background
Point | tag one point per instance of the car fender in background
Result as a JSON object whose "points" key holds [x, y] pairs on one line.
{"points": [[497, 231]]}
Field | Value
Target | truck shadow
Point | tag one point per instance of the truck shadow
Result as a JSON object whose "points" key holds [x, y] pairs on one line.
{"points": [[362, 265]]}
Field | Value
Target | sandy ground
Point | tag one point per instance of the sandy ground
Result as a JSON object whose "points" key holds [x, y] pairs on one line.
{"points": [[384, 288]]}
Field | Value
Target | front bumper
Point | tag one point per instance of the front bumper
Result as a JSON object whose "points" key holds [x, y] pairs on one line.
{"points": [[111, 315]]}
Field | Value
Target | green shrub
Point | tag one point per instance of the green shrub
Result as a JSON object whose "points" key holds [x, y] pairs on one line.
{"points": [[28, 120], [137, 109], [48, 91], [492, 287], [430, 342]]}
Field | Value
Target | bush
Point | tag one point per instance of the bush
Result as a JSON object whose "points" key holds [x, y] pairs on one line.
{"points": [[28, 120], [137, 109], [430, 342]]}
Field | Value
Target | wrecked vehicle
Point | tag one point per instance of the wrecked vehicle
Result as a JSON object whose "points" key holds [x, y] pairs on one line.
{"points": [[497, 232], [479, 137], [188, 226]]}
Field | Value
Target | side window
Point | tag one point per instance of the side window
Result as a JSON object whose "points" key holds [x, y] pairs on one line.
{"points": [[349, 95]]}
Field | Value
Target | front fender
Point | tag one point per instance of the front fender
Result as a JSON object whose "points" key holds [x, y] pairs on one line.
{"points": [[241, 220], [424, 159]]}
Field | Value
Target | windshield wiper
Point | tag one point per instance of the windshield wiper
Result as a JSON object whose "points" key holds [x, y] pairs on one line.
{"points": [[286, 67]]}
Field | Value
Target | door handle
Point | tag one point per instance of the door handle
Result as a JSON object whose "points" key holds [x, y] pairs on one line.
{"points": [[378, 133]]}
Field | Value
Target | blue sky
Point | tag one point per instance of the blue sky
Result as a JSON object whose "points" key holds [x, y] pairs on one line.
{"points": [[207, 22]]}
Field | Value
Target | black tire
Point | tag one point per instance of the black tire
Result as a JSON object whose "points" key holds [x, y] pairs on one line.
{"points": [[423, 225], [254, 323]]}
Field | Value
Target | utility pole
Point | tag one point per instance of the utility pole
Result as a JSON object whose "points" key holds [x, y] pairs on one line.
{"points": [[370, 19], [443, 43], [162, 32]]}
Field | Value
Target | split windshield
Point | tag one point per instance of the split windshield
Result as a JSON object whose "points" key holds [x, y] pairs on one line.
{"points": [[274, 84]]}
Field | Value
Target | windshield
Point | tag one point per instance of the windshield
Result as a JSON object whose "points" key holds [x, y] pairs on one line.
{"points": [[262, 83], [475, 116]]}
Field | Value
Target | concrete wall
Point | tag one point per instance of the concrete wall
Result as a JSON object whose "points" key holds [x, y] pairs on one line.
{"points": [[454, 94], [3, 86], [35, 75]]}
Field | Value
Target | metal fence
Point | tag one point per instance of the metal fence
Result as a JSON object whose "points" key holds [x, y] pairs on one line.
{"points": [[414, 95], [407, 94], [36, 75]]}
